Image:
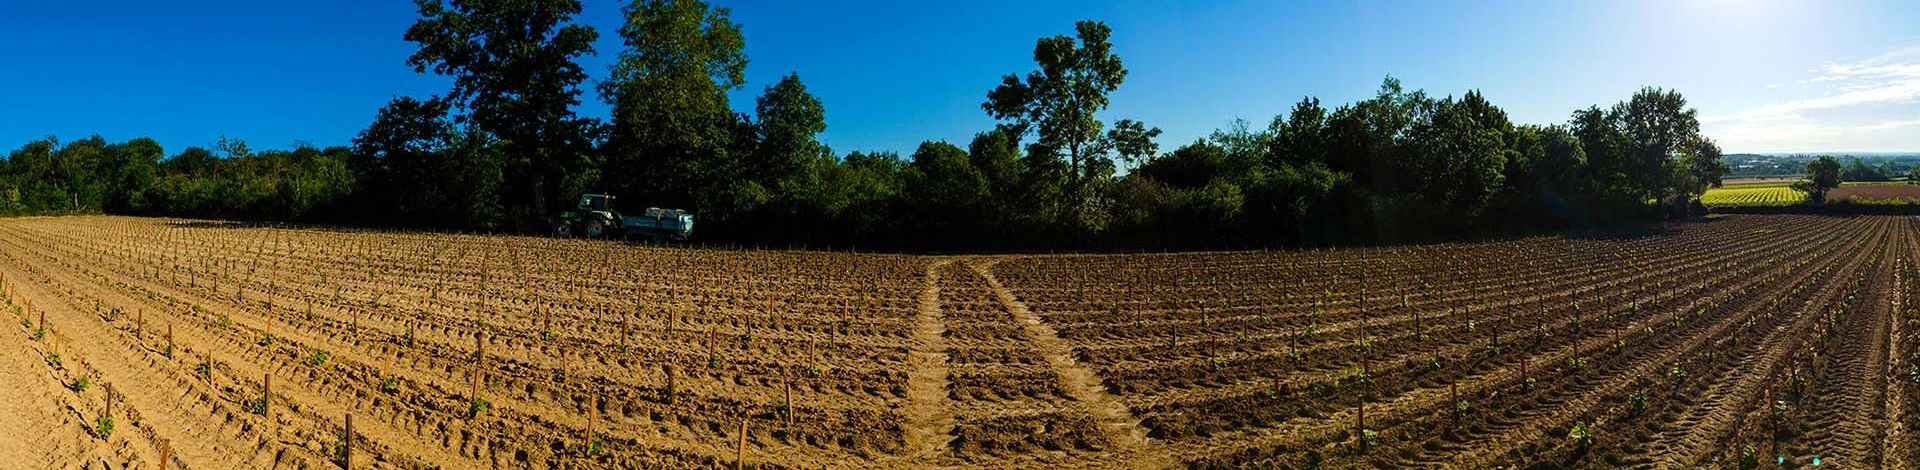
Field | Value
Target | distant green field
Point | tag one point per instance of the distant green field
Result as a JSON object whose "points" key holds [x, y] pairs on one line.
{"points": [[1766, 194]]}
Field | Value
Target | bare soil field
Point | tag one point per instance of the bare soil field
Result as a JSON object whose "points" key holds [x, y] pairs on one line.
{"points": [[1770, 341], [1876, 193]]}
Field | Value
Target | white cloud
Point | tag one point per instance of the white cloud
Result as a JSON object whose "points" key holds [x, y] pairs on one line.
{"points": [[1868, 105]]}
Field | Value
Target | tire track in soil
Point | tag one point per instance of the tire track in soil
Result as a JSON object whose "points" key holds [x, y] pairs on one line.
{"points": [[380, 424], [1415, 401], [1131, 447], [1894, 453], [929, 414], [1591, 392], [160, 411], [226, 352], [1847, 434], [1699, 430], [38, 431]]}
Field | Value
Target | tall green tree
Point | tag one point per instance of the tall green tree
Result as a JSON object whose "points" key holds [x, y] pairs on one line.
{"points": [[674, 137], [135, 169], [945, 192], [1822, 175], [515, 74], [789, 152], [1459, 153], [1058, 103]]}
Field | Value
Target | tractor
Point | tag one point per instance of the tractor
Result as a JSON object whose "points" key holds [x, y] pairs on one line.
{"points": [[595, 217]]}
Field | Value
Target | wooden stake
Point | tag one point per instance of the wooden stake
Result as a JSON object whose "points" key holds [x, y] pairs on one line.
{"points": [[346, 450], [266, 397], [670, 388], [1360, 424], [740, 452], [1453, 401], [166, 454], [789, 387]]}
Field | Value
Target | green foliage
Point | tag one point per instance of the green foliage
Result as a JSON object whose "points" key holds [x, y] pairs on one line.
{"points": [[1822, 175], [319, 358], [477, 406], [1581, 435], [1057, 103], [80, 384], [103, 427], [503, 146], [675, 139], [513, 71]]}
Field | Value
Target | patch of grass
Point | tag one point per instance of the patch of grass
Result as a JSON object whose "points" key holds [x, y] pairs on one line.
{"points": [[319, 358], [266, 340], [39, 333], [389, 384], [222, 320], [81, 384], [54, 360]]}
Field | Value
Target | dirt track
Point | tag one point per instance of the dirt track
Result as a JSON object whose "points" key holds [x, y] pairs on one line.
{"points": [[1757, 338]]}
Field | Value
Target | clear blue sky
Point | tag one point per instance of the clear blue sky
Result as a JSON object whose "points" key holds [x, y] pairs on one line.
{"points": [[1765, 75]]}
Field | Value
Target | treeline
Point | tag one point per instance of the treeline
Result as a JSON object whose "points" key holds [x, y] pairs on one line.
{"points": [[504, 150]]}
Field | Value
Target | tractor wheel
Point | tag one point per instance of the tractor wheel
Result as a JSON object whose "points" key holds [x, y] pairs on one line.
{"points": [[563, 229], [596, 229]]}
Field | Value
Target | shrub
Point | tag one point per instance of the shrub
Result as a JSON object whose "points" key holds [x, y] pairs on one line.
{"points": [[81, 384], [319, 358]]}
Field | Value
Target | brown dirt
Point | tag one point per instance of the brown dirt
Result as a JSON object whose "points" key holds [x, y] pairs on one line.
{"points": [[1789, 335]]}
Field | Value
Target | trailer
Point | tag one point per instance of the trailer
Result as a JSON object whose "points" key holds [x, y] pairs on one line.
{"points": [[595, 217]]}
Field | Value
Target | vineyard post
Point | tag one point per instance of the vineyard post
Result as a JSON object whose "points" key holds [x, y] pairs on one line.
{"points": [[670, 384], [109, 401], [266, 397], [1453, 401], [479, 356], [740, 451], [1360, 423], [346, 450], [166, 454], [169, 340], [789, 392], [140, 324]]}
